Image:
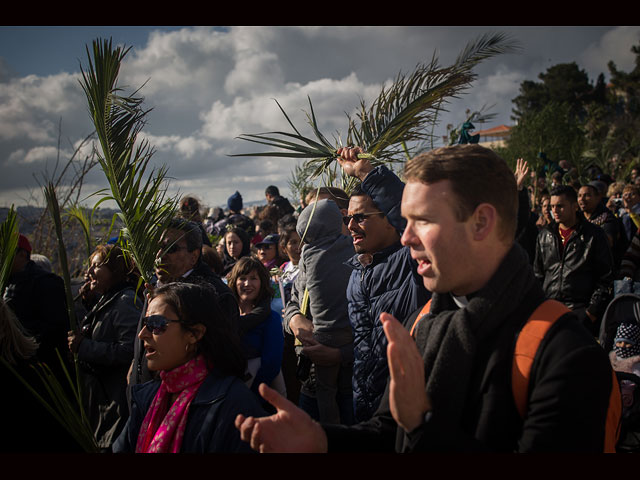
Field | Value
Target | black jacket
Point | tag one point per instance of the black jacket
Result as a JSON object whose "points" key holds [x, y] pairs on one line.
{"points": [[105, 354], [38, 299], [579, 275], [210, 423], [569, 392]]}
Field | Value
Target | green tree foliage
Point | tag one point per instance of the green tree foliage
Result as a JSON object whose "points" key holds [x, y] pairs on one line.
{"points": [[553, 132], [612, 127], [562, 83], [568, 117]]}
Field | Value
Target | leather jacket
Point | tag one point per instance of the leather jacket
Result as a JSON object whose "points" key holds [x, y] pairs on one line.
{"points": [[580, 274]]}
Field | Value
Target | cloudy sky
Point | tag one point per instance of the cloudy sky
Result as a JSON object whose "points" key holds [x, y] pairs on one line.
{"points": [[207, 85]]}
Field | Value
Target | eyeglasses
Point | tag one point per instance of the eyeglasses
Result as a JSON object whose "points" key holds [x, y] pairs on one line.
{"points": [[173, 248], [157, 324], [358, 217]]}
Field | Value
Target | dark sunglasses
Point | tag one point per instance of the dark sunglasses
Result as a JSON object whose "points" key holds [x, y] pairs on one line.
{"points": [[173, 248], [358, 217], [157, 324]]}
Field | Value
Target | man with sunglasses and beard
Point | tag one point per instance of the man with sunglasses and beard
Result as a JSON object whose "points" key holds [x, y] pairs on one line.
{"points": [[384, 277], [180, 259]]}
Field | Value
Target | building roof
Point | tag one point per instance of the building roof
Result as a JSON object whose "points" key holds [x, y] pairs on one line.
{"points": [[499, 131]]}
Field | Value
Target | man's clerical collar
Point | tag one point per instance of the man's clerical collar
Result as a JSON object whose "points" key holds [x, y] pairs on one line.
{"points": [[460, 301]]}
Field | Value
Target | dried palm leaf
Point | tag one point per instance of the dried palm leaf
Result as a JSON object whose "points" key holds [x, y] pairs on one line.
{"points": [[8, 246]]}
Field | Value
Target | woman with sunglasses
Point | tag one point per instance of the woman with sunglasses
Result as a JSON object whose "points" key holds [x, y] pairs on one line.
{"points": [[264, 342], [191, 407], [105, 342]]}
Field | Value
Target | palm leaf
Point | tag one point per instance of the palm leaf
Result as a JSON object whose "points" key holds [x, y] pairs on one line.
{"points": [[78, 213], [8, 246], [399, 116], [145, 208], [69, 413], [54, 210]]}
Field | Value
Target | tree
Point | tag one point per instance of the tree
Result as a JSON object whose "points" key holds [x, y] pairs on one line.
{"points": [[562, 83], [551, 131]]}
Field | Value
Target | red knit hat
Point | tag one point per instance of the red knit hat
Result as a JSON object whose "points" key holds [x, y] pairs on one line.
{"points": [[23, 243]]}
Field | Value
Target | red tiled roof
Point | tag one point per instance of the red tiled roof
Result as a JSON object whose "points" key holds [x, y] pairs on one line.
{"points": [[498, 131]]}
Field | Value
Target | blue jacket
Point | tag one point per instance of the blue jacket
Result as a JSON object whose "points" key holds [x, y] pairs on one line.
{"points": [[210, 424], [267, 339], [390, 283]]}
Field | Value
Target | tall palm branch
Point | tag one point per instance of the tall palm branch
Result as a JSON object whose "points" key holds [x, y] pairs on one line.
{"points": [[145, 207], [79, 213], [401, 114], [8, 246]]}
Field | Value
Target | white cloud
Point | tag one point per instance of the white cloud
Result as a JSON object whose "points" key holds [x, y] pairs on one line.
{"points": [[614, 45], [34, 155], [206, 86]]}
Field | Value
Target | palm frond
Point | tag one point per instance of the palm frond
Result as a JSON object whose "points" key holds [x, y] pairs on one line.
{"points": [[67, 412], [145, 206], [77, 212], [401, 114], [8, 245], [298, 181], [54, 210]]}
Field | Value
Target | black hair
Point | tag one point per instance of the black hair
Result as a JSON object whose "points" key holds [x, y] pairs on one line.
{"points": [[566, 190], [197, 303], [192, 233], [272, 190]]}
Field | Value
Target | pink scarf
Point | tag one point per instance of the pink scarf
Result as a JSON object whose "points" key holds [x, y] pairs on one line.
{"points": [[160, 432]]}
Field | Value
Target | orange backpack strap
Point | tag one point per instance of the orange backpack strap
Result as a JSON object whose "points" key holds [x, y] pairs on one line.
{"points": [[614, 416], [423, 312], [527, 345]]}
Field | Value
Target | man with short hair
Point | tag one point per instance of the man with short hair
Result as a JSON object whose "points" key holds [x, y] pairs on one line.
{"points": [[573, 259], [273, 197], [383, 279], [180, 259], [450, 379], [590, 200]]}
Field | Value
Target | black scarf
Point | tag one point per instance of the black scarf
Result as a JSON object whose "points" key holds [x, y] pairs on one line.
{"points": [[449, 338]]}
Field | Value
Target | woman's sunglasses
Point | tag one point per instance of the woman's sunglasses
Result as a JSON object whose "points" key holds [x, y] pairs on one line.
{"points": [[157, 324]]}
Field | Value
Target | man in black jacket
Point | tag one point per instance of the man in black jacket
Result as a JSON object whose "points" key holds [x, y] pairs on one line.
{"points": [[273, 197], [450, 382], [573, 260], [38, 299]]}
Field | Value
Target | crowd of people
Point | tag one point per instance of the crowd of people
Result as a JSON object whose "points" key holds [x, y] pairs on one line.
{"points": [[380, 320]]}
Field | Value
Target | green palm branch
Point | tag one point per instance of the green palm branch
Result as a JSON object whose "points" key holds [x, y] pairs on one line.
{"points": [[399, 116], [145, 207], [68, 411], [8, 246], [78, 213], [299, 181]]}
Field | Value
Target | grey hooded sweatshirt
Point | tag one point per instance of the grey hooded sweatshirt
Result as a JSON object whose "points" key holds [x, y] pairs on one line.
{"points": [[324, 273]]}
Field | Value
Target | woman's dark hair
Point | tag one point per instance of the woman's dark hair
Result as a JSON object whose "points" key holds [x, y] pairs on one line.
{"points": [[285, 235], [245, 266], [122, 269], [197, 303], [244, 238]]}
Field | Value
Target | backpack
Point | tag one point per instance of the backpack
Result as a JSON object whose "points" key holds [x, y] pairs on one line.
{"points": [[624, 308], [529, 339]]}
